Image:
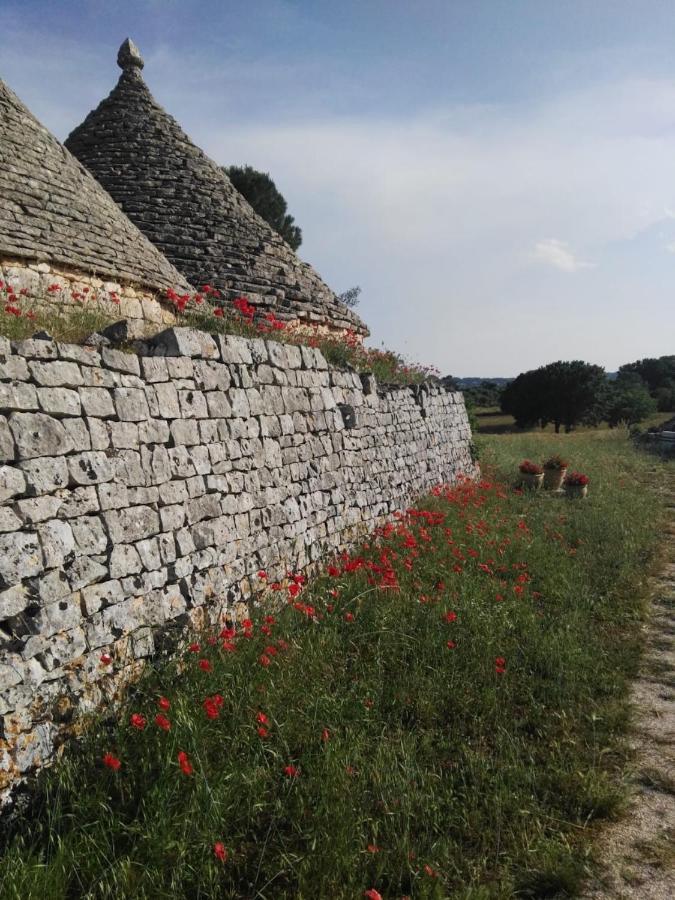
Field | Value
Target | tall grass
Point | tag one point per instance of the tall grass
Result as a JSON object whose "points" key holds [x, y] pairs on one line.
{"points": [[439, 715]]}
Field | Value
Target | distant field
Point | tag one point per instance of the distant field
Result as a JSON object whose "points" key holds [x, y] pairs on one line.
{"points": [[491, 420]]}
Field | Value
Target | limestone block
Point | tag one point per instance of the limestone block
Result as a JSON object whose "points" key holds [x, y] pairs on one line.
{"points": [[18, 396], [185, 432], [167, 400], [13, 368], [154, 369], [59, 401], [85, 570], [37, 434], [13, 601], [97, 402], [56, 374], [98, 433], [192, 404], [45, 475], [52, 586], [211, 376], [120, 361], [35, 349], [124, 435], [12, 482], [20, 557], [56, 538], [126, 526], [38, 509], [185, 342], [234, 349], [7, 451], [90, 467], [85, 356], [97, 596], [131, 404], [124, 560], [90, 536]]}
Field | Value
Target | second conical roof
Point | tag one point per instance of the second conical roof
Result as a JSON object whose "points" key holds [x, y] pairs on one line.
{"points": [[188, 207]]}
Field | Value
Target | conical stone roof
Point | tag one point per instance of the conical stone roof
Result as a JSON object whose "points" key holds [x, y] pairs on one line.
{"points": [[188, 207], [52, 210]]}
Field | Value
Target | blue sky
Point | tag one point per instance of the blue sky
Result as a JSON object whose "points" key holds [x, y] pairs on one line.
{"points": [[499, 177]]}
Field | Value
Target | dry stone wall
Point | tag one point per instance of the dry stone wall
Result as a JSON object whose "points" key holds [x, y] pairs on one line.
{"points": [[139, 493]]}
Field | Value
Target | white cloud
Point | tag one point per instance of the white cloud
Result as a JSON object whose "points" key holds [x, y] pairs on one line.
{"points": [[557, 253]]}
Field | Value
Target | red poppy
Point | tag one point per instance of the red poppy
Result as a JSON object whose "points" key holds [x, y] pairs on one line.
{"points": [[138, 721], [262, 575], [450, 616], [220, 852], [263, 732], [205, 665], [162, 722], [164, 703], [184, 763], [325, 735], [451, 645], [372, 894], [264, 660], [373, 848], [106, 659], [291, 771], [111, 762], [262, 718], [349, 617]]}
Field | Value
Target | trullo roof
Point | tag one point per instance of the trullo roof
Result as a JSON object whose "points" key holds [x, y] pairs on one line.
{"points": [[187, 206], [52, 210]]}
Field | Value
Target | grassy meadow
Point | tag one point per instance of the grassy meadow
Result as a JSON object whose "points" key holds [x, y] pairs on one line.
{"points": [[439, 714]]}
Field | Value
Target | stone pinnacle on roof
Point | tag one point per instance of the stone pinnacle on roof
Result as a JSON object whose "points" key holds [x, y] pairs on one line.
{"points": [[129, 56], [188, 207], [52, 210]]}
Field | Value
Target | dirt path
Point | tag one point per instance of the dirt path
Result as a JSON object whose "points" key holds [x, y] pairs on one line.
{"points": [[638, 852]]}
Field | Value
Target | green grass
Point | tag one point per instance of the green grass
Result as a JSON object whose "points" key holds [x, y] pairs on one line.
{"points": [[72, 325], [440, 776]]}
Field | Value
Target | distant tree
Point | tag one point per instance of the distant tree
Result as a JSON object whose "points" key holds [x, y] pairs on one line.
{"points": [[656, 372], [565, 393], [486, 394], [261, 192], [449, 383], [350, 298], [628, 404]]}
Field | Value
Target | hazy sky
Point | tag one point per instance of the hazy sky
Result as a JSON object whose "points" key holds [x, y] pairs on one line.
{"points": [[497, 175]]}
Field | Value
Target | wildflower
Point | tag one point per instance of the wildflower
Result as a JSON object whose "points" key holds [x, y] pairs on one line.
{"points": [[264, 660], [184, 763], [263, 732], [164, 703], [372, 894], [138, 721], [106, 659], [220, 852], [212, 706], [194, 648], [270, 620], [373, 848], [325, 735], [451, 645], [162, 722], [349, 617], [293, 590], [333, 571], [205, 665], [111, 762], [428, 870], [218, 311], [262, 575], [291, 771], [262, 718], [500, 665], [450, 616]]}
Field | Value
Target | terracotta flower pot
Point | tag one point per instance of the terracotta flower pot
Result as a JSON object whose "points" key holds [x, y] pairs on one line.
{"points": [[553, 479], [531, 481], [574, 491]]}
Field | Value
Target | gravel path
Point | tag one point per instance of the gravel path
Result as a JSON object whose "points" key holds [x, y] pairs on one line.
{"points": [[638, 851]]}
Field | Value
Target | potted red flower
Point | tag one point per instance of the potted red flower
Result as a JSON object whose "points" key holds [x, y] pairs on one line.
{"points": [[531, 474], [576, 484], [555, 469]]}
